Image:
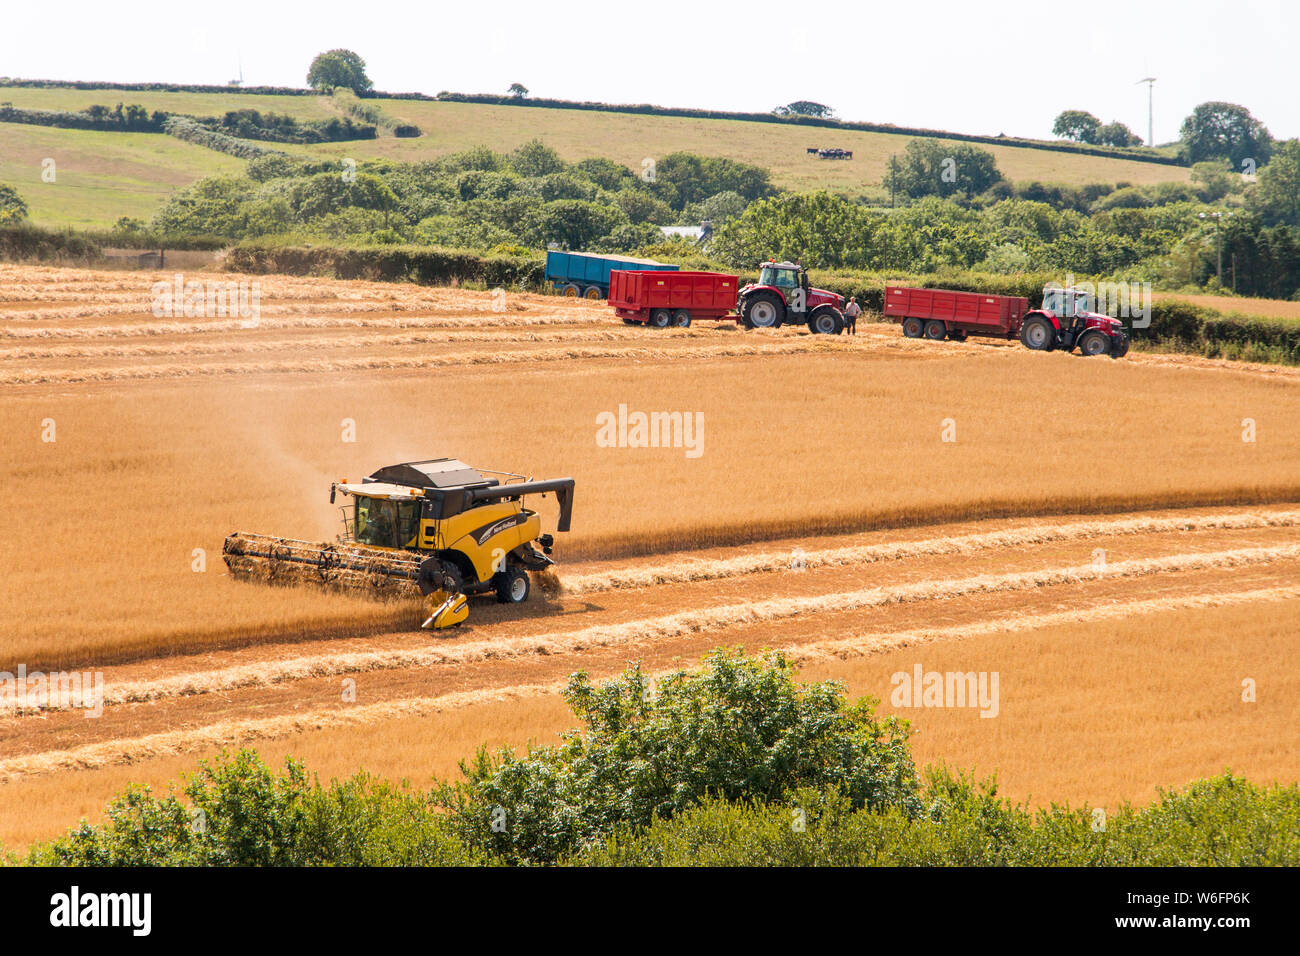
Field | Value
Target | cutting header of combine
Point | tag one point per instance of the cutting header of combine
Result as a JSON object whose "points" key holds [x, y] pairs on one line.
{"points": [[438, 526]]}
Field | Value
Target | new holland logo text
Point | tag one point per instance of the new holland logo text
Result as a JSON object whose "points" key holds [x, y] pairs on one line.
{"points": [[497, 527]]}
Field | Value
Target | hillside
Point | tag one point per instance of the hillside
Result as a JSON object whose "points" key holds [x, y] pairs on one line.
{"points": [[127, 174]]}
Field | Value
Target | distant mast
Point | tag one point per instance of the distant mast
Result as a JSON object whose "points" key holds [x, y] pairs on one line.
{"points": [[1150, 81]]}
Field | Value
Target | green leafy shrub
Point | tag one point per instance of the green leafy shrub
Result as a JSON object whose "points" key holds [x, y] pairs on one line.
{"points": [[192, 131], [1225, 821], [126, 119], [235, 811], [740, 729]]}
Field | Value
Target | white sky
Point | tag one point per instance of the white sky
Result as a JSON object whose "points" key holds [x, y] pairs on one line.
{"points": [[1006, 66]]}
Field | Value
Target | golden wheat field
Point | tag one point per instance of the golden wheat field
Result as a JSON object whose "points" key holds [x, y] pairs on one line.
{"points": [[1120, 540]]}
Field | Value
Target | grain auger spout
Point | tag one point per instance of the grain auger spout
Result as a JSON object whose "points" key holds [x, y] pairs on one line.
{"points": [[435, 528]]}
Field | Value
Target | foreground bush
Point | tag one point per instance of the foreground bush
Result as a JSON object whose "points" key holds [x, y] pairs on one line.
{"points": [[239, 813], [1225, 821], [740, 729]]}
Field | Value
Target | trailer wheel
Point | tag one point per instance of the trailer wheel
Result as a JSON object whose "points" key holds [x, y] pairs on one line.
{"points": [[935, 330], [1094, 343], [913, 328], [762, 310], [661, 318], [682, 319], [1037, 334], [570, 291], [593, 292], [826, 322], [512, 585]]}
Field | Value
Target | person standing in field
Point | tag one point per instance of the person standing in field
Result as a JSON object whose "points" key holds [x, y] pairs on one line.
{"points": [[851, 313]]}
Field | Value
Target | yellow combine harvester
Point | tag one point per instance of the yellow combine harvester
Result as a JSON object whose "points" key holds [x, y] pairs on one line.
{"points": [[438, 526]]}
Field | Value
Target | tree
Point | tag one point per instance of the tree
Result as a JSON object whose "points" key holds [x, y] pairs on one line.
{"points": [[821, 230], [518, 90], [1078, 125], [574, 223], [1277, 196], [535, 158], [1117, 134], [1213, 181], [338, 69], [718, 208], [605, 173], [329, 192], [930, 167], [641, 207], [805, 108], [12, 207], [1220, 130], [684, 178]]}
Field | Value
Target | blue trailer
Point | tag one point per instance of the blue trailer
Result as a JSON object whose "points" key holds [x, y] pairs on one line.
{"points": [[586, 274]]}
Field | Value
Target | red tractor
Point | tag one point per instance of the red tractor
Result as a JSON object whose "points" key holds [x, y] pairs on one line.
{"points": [[782, 296], [1066, 319]]}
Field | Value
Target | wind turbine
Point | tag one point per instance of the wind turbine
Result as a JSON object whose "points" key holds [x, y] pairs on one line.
{"points": [[1150, 81]]}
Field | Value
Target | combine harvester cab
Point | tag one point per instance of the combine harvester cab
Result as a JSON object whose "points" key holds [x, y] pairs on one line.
{"points": [[438, 526]]}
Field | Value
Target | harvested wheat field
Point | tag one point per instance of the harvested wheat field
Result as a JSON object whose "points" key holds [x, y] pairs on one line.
{"points": [[1101, 534]]}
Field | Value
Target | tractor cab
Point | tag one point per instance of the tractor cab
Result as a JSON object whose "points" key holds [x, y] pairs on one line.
{"points": [[1066, 303], [782, 275]]}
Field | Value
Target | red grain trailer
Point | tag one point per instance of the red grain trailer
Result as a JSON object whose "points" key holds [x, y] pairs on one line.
{"points": [[938, 313], [662, 299]]}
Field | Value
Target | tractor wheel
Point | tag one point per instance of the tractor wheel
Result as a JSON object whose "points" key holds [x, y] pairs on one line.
{"points": [[661, 318], [682, 319], [826, 322], [570, 291], [513, 585], [762, 310], [593, 292], [1037, 334], [1094, 343], [957, 335], [935, 330], [913, 328]]}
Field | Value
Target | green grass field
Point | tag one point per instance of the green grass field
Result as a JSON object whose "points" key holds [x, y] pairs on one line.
{"points": [[100, 177], [111, 175]]}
